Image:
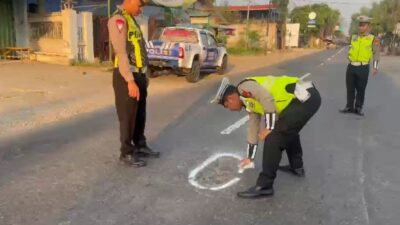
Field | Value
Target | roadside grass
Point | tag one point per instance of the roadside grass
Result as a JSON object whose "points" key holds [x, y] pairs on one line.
{"points": [[245, 51]]}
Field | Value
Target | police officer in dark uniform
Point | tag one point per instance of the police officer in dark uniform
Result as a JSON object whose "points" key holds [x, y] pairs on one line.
{"points": [[130, 82], [286, 104], [363, 48]]}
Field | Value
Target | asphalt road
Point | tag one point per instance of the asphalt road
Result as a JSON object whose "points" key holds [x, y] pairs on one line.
{"points": [[68, 173]]}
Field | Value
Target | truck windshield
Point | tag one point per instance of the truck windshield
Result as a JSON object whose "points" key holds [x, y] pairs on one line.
{"points": [[179, 35]]}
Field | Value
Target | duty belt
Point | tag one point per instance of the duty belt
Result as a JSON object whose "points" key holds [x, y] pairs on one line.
{"points": [[134, 69], [359, 63]]}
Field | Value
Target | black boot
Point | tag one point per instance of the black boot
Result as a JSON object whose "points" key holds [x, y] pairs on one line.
{"points": [[146, 151], [347, 110], [358, 111], [132, 160], [256, 192], [300, 172]]}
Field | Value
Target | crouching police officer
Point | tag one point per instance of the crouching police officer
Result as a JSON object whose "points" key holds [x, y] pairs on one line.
{"points": [[286, 104]]}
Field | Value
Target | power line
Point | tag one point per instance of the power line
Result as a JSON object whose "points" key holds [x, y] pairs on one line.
{"points": [[334, 2], [339, 2]]}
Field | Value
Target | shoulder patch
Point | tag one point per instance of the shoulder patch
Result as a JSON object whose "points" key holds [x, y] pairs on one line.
{"points": [[247, 94], [120, 24]]}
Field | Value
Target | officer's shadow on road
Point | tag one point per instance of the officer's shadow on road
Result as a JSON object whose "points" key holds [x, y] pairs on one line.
{"points": [[93, 136], [53, 141], [73, 157]]}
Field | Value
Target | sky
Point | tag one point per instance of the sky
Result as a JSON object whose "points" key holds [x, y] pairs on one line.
{"points": [[346, 7]]}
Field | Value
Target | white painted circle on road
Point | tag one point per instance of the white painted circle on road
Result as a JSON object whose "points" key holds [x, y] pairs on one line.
{"points": [[207, 162]]}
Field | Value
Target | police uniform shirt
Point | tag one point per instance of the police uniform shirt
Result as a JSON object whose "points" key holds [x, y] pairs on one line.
{"points": [[375, 46], [251, 89], [375, 43], [118, 28]]}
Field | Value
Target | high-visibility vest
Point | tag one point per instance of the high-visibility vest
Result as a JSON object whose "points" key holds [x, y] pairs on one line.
{"points": [[361, 48], [133, 40], [276, 86]]}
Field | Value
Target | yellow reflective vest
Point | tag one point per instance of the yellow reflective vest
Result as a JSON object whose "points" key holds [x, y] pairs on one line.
{"points": [[361, 49], [276, 86], [134, 38]]}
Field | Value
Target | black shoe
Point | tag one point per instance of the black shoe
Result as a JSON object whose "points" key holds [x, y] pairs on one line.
{"points": [[256, 192], [347, 110], [145, 151], [358, 112], [132, 160], [300, 172]]}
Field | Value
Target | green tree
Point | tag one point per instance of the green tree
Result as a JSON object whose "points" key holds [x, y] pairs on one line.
{"points": [[230, 17], [208, 3], [326, 21], [385, 15]]}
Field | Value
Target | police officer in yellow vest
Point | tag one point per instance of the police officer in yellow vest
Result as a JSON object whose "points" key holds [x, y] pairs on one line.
{"points": [[364, 48], [130, 82], [285, 104]]}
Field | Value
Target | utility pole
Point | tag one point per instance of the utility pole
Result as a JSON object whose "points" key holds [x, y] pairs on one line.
{"points": [[283, 10], [109, 41], [267, 33], [247, 24]]}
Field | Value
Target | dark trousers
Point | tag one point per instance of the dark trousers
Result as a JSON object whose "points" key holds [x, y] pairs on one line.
{"points": [[131, 113], [356, 82], [286, 136]]}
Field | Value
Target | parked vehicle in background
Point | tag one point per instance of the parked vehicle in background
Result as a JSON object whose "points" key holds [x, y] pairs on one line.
{"points": [[187, 51], [329, 43]]}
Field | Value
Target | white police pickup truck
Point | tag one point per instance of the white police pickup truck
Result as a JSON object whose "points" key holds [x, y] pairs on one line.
{"points": [[186, 51]]}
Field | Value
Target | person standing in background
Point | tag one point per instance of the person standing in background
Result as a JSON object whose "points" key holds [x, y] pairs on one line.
{"points": [[364, 47]]}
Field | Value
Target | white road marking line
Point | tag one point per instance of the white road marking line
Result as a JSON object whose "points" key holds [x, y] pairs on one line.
{"points": [[195, 171], [360, 165], [305, 76], [363, 201], [235, 126], [322, 64], [334, 55]]}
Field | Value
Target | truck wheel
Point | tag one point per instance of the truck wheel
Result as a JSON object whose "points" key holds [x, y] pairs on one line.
{"points": [[222, 69], [194, 75]]}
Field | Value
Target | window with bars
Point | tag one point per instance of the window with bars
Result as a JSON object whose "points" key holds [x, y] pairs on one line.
{"points": [[52, 30]]}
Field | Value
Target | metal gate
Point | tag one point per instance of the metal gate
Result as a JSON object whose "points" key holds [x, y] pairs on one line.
{"points": [[7, 33], [100, 38]]}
